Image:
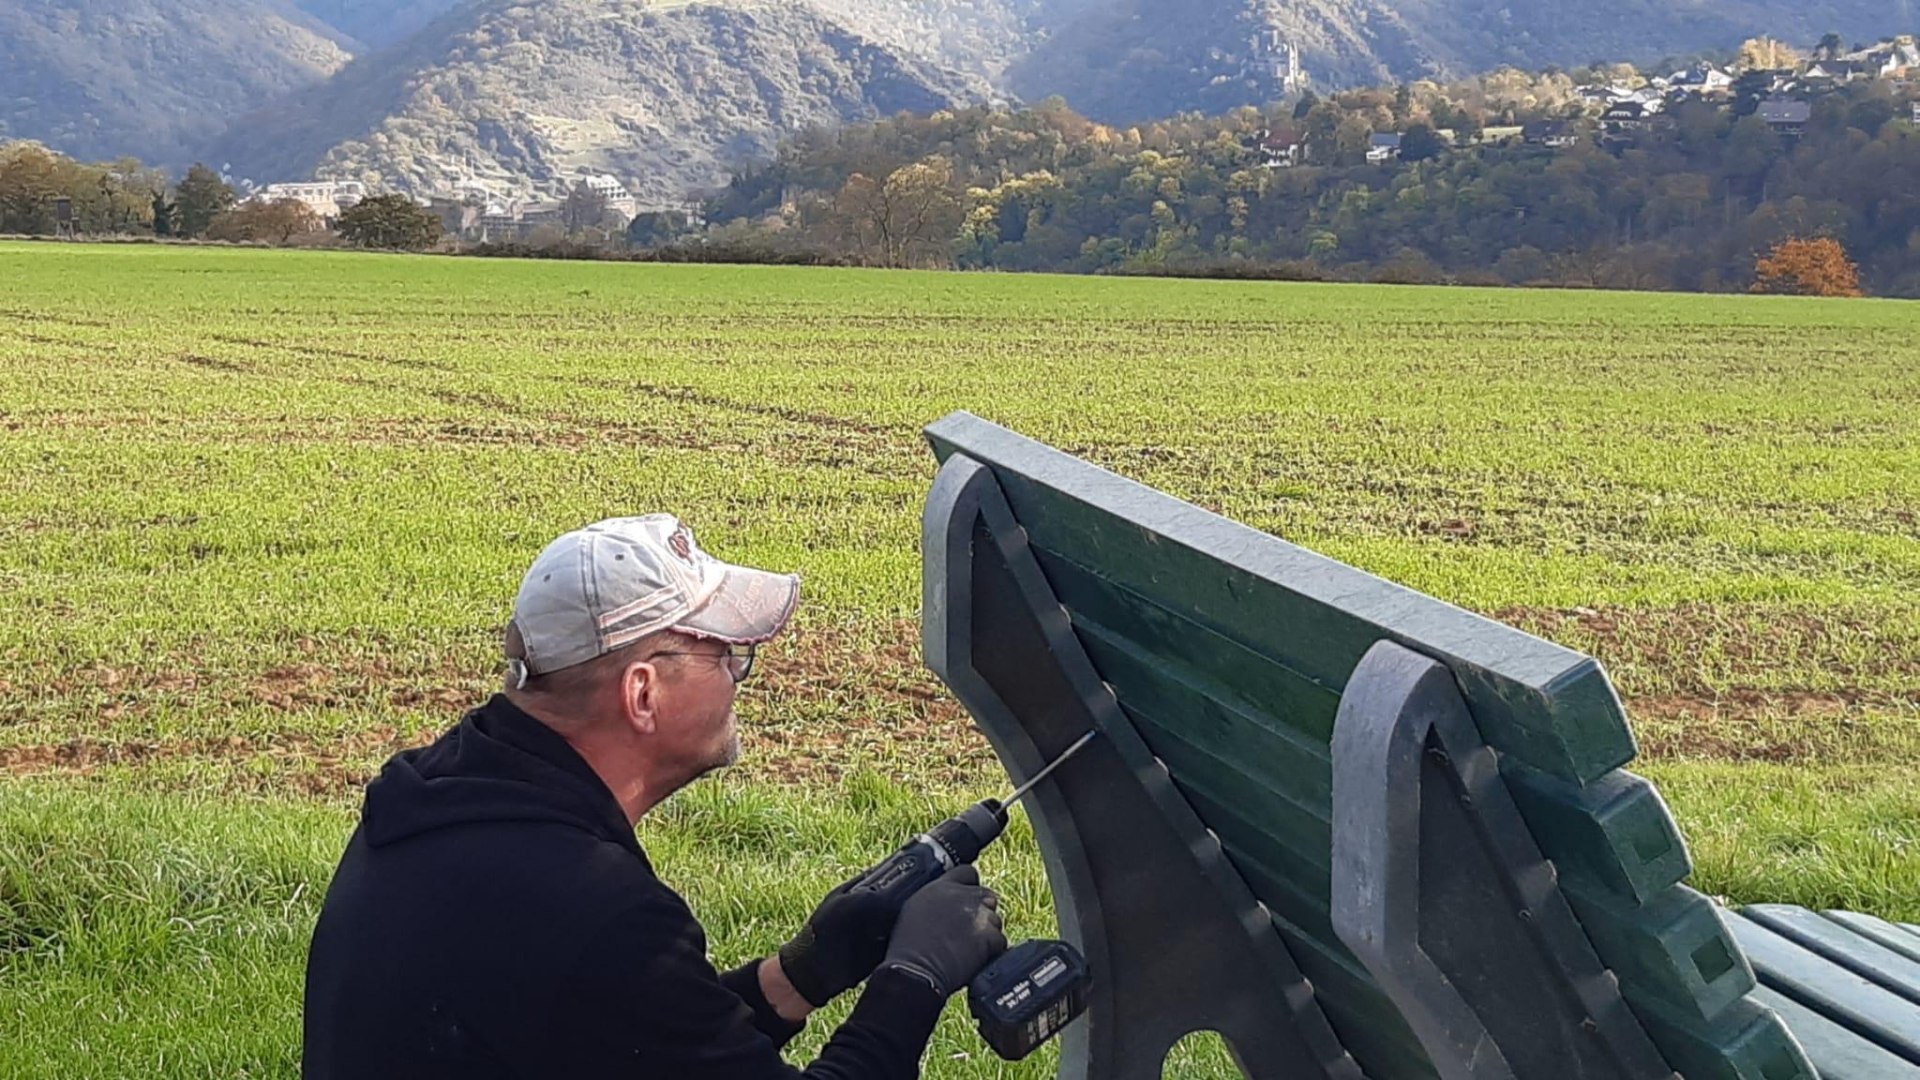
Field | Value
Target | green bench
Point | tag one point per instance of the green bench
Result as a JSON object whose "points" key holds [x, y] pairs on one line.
{"points": [[1353, 829]]}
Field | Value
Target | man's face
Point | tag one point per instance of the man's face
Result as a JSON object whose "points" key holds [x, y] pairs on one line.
{"points": [[697, 728]]}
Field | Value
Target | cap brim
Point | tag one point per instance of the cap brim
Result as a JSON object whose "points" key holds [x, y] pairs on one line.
{"points": [[749, 606]]}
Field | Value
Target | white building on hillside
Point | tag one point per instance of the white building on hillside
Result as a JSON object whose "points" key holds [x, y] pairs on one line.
{"points": [[1888, 58], [472, 192], [326, 198], [1704, 79], [616, 193]]}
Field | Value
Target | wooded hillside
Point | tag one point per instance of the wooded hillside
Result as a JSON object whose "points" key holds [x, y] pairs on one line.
{"points": [[1690, 204]]}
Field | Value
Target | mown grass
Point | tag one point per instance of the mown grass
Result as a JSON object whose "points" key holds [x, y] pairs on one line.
{"points": [[262, 513]]}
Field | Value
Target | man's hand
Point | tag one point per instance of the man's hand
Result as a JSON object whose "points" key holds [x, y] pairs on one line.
{"points": [[843, 941], [779, 992], [948, 931]]}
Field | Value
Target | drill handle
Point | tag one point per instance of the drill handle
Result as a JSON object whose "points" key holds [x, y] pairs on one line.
{"points": [[915, 866], [956, 841]]}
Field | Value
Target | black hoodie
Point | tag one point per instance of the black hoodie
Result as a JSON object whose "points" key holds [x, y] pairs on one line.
{"points": [[494, 916]]}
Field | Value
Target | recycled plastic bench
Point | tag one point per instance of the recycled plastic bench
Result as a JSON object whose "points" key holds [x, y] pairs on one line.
{"points": [[1355, 830]]}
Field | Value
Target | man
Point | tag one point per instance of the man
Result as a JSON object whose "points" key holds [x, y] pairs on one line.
{"points": [[495, 916]]}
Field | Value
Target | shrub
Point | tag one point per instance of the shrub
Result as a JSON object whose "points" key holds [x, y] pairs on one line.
{"points": [[1815, 267]]}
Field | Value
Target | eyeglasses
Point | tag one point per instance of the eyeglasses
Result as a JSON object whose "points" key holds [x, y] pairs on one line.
{"points": [[739, 659]]}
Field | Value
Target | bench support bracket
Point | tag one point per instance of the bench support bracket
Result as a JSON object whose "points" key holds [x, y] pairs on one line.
{"points": [[1441, 891], [1175, 940]]}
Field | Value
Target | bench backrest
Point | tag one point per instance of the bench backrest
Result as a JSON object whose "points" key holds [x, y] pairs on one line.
{"points": [[1226, 654]]}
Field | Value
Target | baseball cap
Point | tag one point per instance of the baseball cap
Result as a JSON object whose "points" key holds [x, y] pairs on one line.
{"points": [[614, 582]]}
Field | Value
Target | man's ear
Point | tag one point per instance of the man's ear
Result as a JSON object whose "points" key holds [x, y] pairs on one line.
{"points": [[640, 696]]}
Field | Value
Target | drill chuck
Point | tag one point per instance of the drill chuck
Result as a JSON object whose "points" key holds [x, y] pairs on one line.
{"points": [[964, 836]]}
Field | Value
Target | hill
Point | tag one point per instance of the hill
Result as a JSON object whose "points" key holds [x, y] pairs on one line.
{"points": [[670, 94], [105, 78], [671, 97], [979, 37], [1123, 61], [527, 96], [377, 23]]}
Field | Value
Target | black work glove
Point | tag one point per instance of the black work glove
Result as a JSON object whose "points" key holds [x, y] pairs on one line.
{"points": [[948, 931], [844, 940]]}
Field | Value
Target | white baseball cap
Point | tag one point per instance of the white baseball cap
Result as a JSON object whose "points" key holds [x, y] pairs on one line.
{"points": [[616, 581]]}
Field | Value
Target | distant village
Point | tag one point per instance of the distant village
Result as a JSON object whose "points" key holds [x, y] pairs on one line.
{"points": [[472, 211], [1620, 112]]}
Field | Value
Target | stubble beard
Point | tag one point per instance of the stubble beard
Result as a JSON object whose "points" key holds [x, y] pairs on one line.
{"points": [[729, 753]]}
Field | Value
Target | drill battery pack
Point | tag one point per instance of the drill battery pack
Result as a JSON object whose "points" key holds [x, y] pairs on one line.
{"points": [[1026, 996]]}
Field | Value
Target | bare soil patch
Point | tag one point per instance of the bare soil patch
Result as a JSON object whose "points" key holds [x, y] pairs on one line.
{"points": [[214, 363], [1710, 650], [324, 353], [820, 705], [311, 765], [1705, 681], [829, 700]]}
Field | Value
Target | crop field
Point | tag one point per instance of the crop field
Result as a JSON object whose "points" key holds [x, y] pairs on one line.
{"points": [[262, 515]]}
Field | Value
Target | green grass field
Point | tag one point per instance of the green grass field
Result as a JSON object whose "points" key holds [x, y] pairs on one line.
{"points": [[262, 515]]}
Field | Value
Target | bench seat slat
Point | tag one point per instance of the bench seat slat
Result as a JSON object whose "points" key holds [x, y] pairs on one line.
{"points": [[1368, 1022], [1745, 1042], [1676, 947], [1863, 956], [1614, 833], [1839, 1054], [1831, 990], [1377, 1036], [1197, 761], [1302, 883], [1880, 930], [1186, 705]]}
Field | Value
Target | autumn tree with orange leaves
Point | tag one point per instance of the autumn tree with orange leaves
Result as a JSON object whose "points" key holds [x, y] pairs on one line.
{"points": [[1816, 267]]}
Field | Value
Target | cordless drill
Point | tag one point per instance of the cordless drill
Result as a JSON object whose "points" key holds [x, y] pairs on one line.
{"points": [[1034, 989]]}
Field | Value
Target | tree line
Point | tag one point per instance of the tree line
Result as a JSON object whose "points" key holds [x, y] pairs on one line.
{"points": [[127, 198], [1692, 204]]}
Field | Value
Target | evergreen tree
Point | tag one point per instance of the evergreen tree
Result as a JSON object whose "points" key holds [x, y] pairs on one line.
{"points": [[199, 198], [162, 214], [583, 209], [1421, 143]]}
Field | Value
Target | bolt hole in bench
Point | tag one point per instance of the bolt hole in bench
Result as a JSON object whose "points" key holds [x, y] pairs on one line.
{"points": [[1352, 829]]}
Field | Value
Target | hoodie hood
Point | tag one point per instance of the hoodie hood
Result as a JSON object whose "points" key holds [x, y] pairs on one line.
{"points": [[497, 764]]}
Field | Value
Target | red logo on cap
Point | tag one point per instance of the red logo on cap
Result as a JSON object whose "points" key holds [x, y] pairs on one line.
{"points": [[681, 543]]}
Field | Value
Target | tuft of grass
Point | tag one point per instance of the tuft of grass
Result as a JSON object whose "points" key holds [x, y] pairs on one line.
{"points": [[143, 936], [1839, 836]]}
